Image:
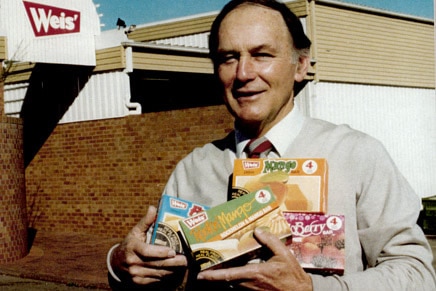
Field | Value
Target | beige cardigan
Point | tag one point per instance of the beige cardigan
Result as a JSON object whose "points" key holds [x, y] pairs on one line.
{"points": [[380, 207]]}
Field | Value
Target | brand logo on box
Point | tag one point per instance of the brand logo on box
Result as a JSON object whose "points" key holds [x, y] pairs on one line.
{"points": [[49, 20], [195, 209], [178, 204], [195, 220], [251, 165]]}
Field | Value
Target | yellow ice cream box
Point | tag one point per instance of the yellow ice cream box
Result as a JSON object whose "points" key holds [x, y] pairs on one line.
{"points": [[300, 185]]}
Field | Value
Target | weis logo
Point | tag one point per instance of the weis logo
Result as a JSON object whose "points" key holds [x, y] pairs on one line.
{"points": [[195, 220], [250, 165], [48, 20]]}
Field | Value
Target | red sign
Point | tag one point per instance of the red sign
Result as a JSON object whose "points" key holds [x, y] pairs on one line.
{"points": [[49, 20]]}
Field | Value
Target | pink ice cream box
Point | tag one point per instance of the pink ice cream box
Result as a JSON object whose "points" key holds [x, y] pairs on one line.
{"points": [[318, 241]]}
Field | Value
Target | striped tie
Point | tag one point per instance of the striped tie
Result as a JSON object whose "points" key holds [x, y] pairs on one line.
{"points": [[258, 147]]}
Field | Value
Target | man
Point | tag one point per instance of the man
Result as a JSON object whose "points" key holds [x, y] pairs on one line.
{"points": [[259, 50]]}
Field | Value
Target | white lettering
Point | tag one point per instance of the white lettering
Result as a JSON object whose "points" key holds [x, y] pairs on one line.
{"points": [[44, 20], [195, 220], [178, 204], [306, 230], [250, 165]]}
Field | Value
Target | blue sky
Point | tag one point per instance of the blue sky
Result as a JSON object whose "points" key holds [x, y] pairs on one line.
{"points": [[146, 11]]}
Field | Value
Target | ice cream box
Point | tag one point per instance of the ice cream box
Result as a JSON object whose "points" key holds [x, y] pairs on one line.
{"points": [[171, 210], [318, 241], [223, 235], [299, 184]]}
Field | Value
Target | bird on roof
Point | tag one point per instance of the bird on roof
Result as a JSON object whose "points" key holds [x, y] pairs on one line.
{"points": [[121, 23]]}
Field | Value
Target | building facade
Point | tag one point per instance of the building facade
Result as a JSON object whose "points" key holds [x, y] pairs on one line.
{"points": [[101, 140]]}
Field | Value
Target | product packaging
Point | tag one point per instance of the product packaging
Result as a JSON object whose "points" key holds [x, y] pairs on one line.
{"points": [[299, 184], [171, 210], [223, 235], [318, 241]]}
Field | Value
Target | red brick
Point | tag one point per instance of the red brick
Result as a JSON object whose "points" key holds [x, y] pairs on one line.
{"points": [[105, 173]]}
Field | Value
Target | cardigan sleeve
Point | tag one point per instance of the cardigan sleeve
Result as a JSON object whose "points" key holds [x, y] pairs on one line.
{"points": [[395, 250]]}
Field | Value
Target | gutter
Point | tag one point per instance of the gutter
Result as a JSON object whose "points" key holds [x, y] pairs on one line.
{"points": [[166, 48], [133, 107]]}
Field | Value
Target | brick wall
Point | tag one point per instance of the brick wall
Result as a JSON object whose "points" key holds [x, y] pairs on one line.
{"points": [[13, 223], [100, 176], [2, 97]]}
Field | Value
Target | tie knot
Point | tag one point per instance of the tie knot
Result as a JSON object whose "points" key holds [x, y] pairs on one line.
{"points": [[258, 147]]}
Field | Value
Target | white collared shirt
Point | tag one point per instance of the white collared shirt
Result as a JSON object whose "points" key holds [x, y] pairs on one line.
{"points": [[281, 135]]}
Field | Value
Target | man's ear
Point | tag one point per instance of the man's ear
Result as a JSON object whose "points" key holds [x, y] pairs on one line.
{"points": [[302, 68]]}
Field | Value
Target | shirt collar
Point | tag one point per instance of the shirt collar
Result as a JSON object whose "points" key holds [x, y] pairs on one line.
{"points": [[281, 135]]}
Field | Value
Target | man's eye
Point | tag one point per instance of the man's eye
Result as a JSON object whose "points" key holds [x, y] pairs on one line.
{"points": [[261, 55], [227, 59]]}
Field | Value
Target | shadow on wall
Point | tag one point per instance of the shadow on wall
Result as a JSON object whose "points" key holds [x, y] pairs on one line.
{"points": [[52, 90]]}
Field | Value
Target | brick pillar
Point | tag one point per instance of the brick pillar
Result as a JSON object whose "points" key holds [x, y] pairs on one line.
{"points": [[13, 217], [2, 99]]}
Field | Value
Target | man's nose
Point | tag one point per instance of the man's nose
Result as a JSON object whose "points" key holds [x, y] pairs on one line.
{"points": [[245, 70]]}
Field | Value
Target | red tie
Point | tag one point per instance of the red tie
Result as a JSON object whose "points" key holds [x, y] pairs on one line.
{"points": [[259, 146]]}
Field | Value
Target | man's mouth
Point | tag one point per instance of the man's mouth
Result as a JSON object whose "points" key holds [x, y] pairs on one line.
{"points": [[245, 94]]}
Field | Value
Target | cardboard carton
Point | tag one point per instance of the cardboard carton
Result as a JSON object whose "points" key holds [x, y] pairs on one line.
{"points": [[299, 184], [171, 210], [318, 241], [224, 233]]}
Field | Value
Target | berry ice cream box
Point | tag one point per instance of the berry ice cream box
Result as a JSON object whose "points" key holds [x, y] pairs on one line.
{"points": [[223, 235], [170, 211], [318, 241], [299, 184]]}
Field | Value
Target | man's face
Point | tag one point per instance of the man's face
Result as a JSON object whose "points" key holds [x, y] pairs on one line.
{"points": [[255, 66]]}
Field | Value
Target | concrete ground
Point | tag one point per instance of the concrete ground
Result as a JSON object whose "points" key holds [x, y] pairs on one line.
{"points": [[69, 262], [10, 283], [67, 259]]}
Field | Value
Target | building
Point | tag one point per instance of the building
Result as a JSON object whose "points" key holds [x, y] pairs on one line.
{"points": [[101, 139]]}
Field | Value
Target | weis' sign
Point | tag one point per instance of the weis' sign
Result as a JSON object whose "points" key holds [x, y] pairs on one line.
{"points": [[48, 20]]}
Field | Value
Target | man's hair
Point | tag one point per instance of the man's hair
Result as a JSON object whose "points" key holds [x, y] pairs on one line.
{"points": [[300, 41]]}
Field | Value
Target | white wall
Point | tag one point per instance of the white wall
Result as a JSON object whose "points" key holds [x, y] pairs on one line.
{"points": [[105, 95], [403, 119], [60, 44]]}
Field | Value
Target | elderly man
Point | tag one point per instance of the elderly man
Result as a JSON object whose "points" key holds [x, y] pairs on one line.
{"points": [[259, 51]]}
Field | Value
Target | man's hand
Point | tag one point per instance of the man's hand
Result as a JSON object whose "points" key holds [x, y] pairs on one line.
{"points": [[135, 261], [281, 272]]}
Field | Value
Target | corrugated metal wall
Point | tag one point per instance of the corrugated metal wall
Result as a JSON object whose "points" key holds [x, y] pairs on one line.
{"points": [[104, 96], [363, 47], [14, 97], [403, 119], [193, 24], [171, 63], [70, 48], [110, 59], [199, 40], [3, 53]]}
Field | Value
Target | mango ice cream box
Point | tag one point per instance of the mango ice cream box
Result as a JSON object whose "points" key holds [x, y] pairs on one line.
{"points": [[318, 241], [299, 184], [170, 211], [223, 235]]}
